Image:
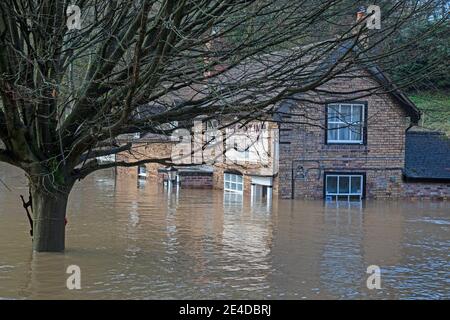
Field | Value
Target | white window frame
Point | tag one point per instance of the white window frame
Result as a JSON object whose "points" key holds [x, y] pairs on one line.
{"points": [[338, 194], [234, 181], [343, 125]]}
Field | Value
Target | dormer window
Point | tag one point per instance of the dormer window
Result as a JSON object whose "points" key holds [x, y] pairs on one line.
{"points": [[345, 123]]}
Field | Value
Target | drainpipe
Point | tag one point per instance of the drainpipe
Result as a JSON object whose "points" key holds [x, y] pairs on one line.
{"points": [[292, 180], [294, 174]]}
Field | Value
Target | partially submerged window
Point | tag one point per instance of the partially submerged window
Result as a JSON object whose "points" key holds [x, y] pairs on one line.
{"points": [[142, 172], [233, 182], [349, 187], [345, 123]]}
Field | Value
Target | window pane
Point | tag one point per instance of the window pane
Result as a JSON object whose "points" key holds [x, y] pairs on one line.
{"points": [[333, 111], [331, 184], [344, 133], [226, 178], [355, 133], [346, 113], [357, 114], [233, 186], [356, 185], [239, 187], [239, 179], [344, 184], [332, 131], [227, 185]]}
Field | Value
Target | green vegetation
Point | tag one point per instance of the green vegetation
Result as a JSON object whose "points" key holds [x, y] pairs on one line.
{"points": [[436, 109]]}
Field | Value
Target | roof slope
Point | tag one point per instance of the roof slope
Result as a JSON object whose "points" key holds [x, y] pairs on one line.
{"points": [[411, 109], [427, 156], [297, 69]]}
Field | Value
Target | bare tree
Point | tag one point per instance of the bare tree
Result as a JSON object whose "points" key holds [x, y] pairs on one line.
{"points": [[67, 93]]}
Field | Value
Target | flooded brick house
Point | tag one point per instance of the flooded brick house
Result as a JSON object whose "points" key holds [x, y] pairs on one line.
{"points": [[343, 141], [380, 155], [353, 148]]}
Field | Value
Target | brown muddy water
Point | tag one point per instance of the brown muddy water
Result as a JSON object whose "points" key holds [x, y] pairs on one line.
{"points": [[141, 242]]}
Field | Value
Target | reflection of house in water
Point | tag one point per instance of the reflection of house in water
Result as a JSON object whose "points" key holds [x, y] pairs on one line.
{"points": [[297, 247], [232, 200], [324, 251], [383, 233], [358, 239], [247, 240], [342, 269]]}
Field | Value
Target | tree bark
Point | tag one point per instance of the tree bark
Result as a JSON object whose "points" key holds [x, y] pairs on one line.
{"points": [[49, 211]]}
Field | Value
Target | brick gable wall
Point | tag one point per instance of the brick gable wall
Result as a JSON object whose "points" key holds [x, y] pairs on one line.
{"points": [[381, 159]]}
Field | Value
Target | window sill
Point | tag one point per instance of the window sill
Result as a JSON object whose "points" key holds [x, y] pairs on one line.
{"points": [[345, 146]]}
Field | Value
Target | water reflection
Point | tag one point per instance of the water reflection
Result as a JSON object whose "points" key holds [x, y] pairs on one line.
{"points": [[144, 241]]}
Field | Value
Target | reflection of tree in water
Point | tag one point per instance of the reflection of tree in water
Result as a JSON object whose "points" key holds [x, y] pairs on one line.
{"points": [[46, 277]]}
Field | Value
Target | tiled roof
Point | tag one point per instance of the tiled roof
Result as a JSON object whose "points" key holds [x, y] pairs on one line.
{"points": [[299, 70], [427, 156]]}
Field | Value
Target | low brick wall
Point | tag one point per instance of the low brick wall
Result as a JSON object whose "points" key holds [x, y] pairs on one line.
{"points": [[196, 180], [201, 180], [427, 190]]}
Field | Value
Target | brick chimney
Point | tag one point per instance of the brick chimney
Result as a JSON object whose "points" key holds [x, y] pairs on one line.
{"points": [[216, 46], [360, 16]]}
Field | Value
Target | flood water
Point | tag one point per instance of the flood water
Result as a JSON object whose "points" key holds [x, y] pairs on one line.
{"points": [[135, 242]]}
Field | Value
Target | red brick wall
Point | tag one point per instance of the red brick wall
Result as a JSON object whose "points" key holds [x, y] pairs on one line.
{"points": [[382, 158], [196, 181], [427, 190]]}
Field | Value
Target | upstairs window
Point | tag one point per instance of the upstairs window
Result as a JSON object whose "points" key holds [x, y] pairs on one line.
{"points": [[345, 123]]}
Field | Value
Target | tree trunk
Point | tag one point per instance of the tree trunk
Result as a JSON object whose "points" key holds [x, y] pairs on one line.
{"points": [[49, 211]]}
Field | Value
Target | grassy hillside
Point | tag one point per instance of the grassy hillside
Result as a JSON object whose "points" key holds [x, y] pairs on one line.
{"points": [[436, 109]]}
